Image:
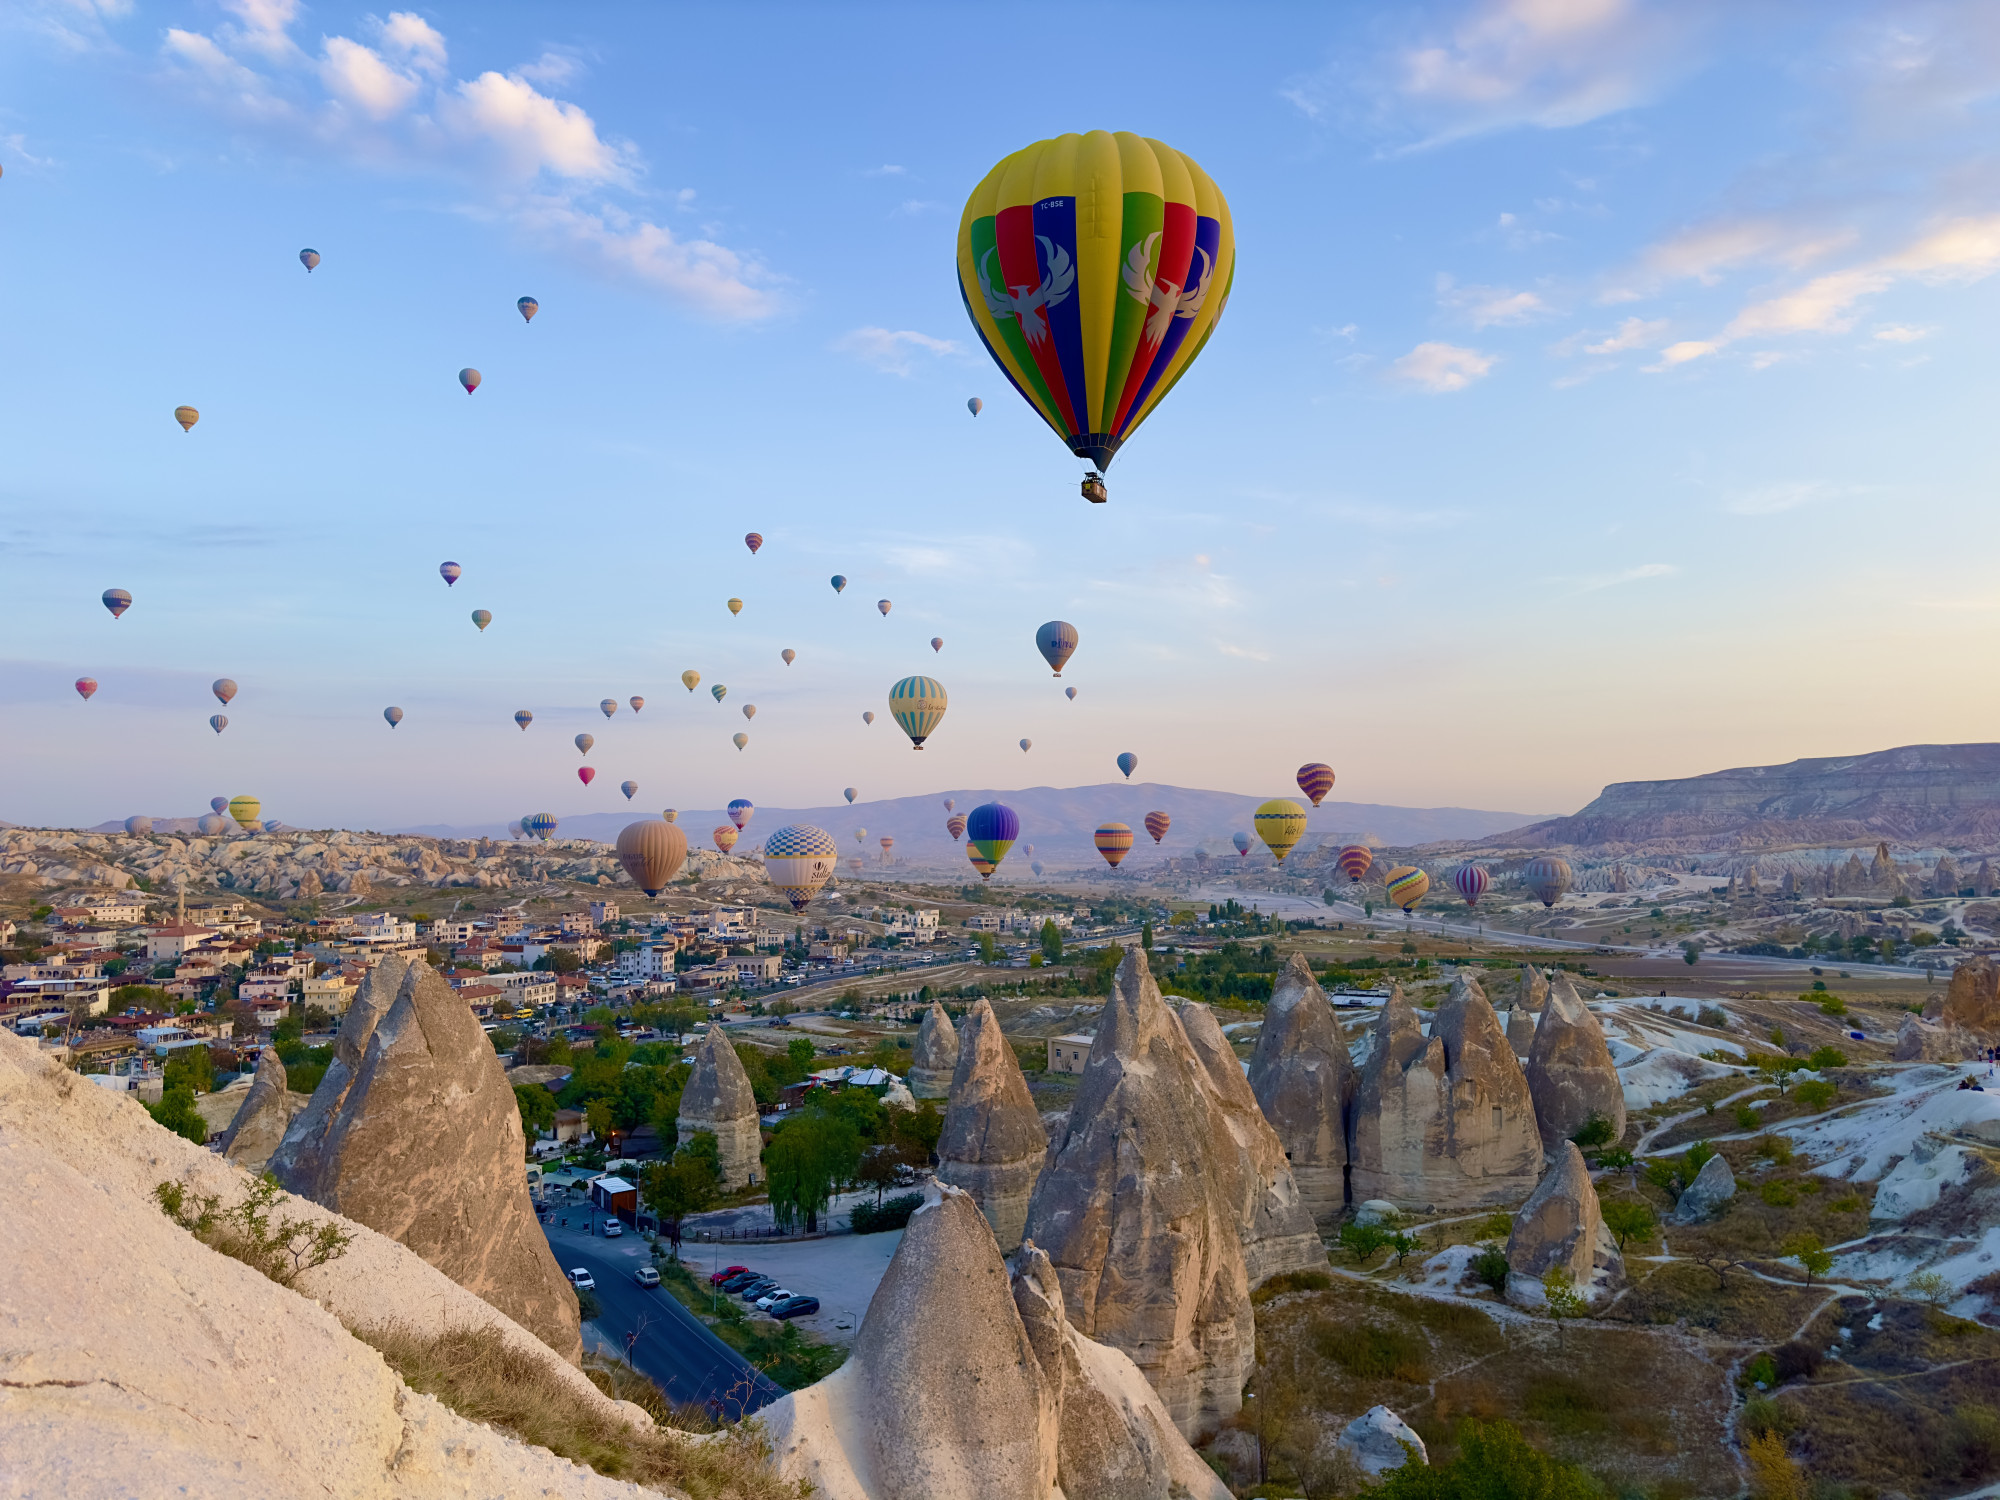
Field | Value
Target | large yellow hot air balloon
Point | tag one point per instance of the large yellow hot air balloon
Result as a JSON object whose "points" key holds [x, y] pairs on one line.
{"points": [[244, 809], [1407, 885], [1280, 823], [1095, 267]]}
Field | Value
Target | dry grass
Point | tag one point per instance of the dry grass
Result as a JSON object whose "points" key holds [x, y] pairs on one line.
{"points": [[1741, 1307], [482, 1378]]}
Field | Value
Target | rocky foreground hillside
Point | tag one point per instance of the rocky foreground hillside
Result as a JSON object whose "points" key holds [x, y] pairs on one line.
{"points": [[1946, 796]]}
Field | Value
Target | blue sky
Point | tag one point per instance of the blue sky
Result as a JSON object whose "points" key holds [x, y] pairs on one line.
{"points": [[1607, 392]]}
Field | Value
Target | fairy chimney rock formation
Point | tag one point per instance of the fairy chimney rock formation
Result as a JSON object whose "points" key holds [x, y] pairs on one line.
{"points": [[1561, 1225], [1534, 989], [1521, 1031], [426, 1147], [1570, 1072], [1304, 1083], [1273, 1221], [718, 1099], [1133, 1211], [936, 1055], [296, 1162], [1444, 1122], [1973, 1000], [259, 1126], [993, 1143]]}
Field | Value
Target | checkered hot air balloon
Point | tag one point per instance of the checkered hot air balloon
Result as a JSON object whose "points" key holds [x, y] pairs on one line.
{"points": [[798, 859], [1114, 842], [917, 703]]}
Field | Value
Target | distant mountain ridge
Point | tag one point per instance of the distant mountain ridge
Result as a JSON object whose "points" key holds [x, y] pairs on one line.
{"points": [[1930, 795]]}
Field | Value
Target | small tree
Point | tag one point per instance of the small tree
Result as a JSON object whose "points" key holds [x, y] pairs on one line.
{"points": [[176, 1111], [1595, 1131], [1815, 1094], [1931, 1287], [1692, 953], [800, 1050], [1813, 1257], [1773, 1475], [1052, 944], [1628, 1220], [1363, 1240], [1561, 1297], [537, 1106], [1146, 936], [597, 1115], [1403, 1243]]}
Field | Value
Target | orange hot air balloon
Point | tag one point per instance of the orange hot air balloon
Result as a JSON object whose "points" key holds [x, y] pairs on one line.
{"points": [[1316, 780], [1114, 842], [725, 837], [652, 854], [955, 826], [1157, 824]]}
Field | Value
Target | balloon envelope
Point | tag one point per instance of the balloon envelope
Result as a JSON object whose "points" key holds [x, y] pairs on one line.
{"points": [[741, 811], [139, 827], [1070, 693], [937, 643], [117, 601], [1095, 267], [309, 258], [187, 416], [1470, 881], [749, 710], [980, 862], [950, 803], [975, 406], [1548, 878], [482, 618], [1057, 643], [586, 774], [1407, 886], [218, 722], [1114, 842], [868, 716], [690, 679], [528, 307], [636, 702], [918, 703], [223, 689], [540, 825], [849, 793], [244, 809], [469, 378], [991, 829], [860, 834], [955, 826], [220, 804], [85, 686], [1026, 746], [584, 742], [798, 859], [1280, 823], [839, 582], [450, 572], [1128, 763], [523, 717], [739, 740], [608, 707], [725, 838], [393, 715], [652, 853], [1036, 866], [1316, 780], [1157, 824], [628, 788], [1241, 841], [736, 606], [883, 605], [886, 842], [789, 655], [718, 692], [672, 815], [212, 825], [753, 542]]}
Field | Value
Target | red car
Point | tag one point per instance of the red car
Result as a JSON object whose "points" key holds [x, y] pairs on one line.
{"points": [[725, 1273]]}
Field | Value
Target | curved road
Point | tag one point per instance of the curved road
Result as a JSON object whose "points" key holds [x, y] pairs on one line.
{"points": [[674, 1349]]}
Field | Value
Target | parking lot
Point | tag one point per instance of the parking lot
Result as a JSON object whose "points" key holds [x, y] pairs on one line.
{"points": [[842, 1270]]}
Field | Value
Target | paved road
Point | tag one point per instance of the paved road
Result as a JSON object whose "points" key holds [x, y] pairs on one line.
{"points": [[674, 1349]]}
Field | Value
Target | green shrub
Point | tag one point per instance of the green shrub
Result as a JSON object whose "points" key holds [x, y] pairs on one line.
{"points": [[1497, 1226], [1746, 1117], [1815, 1094], [1763, 1370], [1368, 1352], [1779, 1194], [1775, 1148], [252, 1230], [1494, 1462], [176, 1111], [1826, 1057], [1833, 1005], [1362, 1241], [1595, 1131], [894, 1214], [1490, 1266], [1761, 1414], [1694, 1159]]}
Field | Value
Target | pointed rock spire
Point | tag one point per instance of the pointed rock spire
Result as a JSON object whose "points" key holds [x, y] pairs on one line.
{"points": [[718, 1099], [1134, 1212], [1560, 1224], [1272, 1220], [935, 1056], [297, 1161], [1570, 1072], [1304, 1082], [1520, 1031], [993, 1144], [1534, 992], [259, 1126]]}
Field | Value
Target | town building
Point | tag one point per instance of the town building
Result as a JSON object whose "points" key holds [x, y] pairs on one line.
{"points": [[1068, 1054]]}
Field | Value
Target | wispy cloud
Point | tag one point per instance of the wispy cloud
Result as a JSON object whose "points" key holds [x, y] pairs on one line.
{"points": [[1902, 333], [1439, 367], [1243, 652], [1784, 495], [1488, 306], [1629, 575], [892, 350]]}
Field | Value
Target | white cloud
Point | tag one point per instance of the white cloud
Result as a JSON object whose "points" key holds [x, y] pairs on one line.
{"points": [[886, 171], [264, 26], [532, 132], [1771, 499], [1682, 353], [1243, 652], [357, 75], [709, 277], [1486, 306], [1633, 333], [1439, 367], [1902, 333], [892, 350], [1629, 575], [1703, 252], [552, 70]]}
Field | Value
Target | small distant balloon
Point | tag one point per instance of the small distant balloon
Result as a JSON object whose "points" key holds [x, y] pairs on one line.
{"points": [[839, 581], [309, 258], [1035, 865], [85, 686], [739, 739], [515, 831], [1114, 842], [1057, 643], [954, 825], [469, 378], [628, 788], [608, 707], [1026, 746], [789, 655], [886, 842], [218, 804], [482, 618], [740, 811], [849, 793], [139, 827], [586, 774], [528, 307], [860, 834], [672, 815], [524, 717], [539, 825], [950, 803], [1028, 849], [223, 689], [1157, 824], [393, 715], [450, 572], [918, 704], [749, 710], [636, 702], [1316, 780], [187, 416], [975, 406], [1355, 861], [218, 722], [867, 716], [753, 541], [883, 605], [211, 825], [1128, 763], [117, 601], [1241, 841], [690, 679], [719, 692], [1070, 693], [244, 808], [937, 643], [583, 743]]}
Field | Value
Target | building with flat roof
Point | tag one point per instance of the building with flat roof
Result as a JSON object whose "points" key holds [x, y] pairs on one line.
{"points": [[1068, 1054]]}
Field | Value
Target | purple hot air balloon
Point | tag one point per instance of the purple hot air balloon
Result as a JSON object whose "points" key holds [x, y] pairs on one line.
{"points": [[449, 572]]}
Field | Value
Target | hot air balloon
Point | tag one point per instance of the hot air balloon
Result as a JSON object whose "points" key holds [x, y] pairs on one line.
{"points": [[883, 605], [1070, 693], [607, 707], [219, 804], [482, 618], [839, 582], [1036, 866], [736, 606], [1094, 327], [741, 811], [1355, 861], [1028, 849], [586, 774], [515, 830], [628, 788], [718, 692], [393, 715], [1470, 881], [950, 803], [917, 704], [1407, 886], [1316, 780], [937, 643], [218, 722], [749, 710], [983, 865], [244, 808], [849, 793], [224, 690], [85, 686], [539, 825], [1026, 746], [139, 827], [584, 742], [975, 406], [1280, 823], [955, 826], [798, 858], [860, 834], [672, 815], [789, 655], [868, 716], [117, 601], [690, 679], [524, 717], [887, 844], [212, 825], [1057, 643], [1548, 877], [739, 739], [637, 702], [1241, 841], [309, 259], [1114, 842], [469, 378], [187, 416], [725, 838], [1157, 824], [652, 854], [753, 542], [991, 829], [1128, 763], [528, 307], [450, 572]]}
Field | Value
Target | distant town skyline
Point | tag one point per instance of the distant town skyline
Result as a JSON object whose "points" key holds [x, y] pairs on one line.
{"points": [[1603, 396]]}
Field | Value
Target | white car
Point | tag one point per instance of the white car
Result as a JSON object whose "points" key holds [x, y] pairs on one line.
{"points": [[582, 1280], [646, 1276], [613, 1229], [770, 1299]]}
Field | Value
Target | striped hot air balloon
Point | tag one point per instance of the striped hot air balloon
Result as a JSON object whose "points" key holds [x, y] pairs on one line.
{"points": [[539, 826], [482, 618], [117, 601], [608, 707], [1355, 861], [1548, 877], [218, 722], [725, 837], [637, 702], [917, 703], [740, 811], [187, 416], [735, 606], [798, 859], [955, 826], [1316, 780], [1057, 643], [1280, 823], [753, 541], [1407, 886], [652, 854], [1157, 824], [718, 692], [524, 717], [980, 862], [887, 843], [1114, 842], [1470, 881], [991, 829]]}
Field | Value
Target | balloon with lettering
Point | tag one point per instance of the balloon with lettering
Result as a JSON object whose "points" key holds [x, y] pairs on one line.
{"points": [[1280, 823], [117, 601], [1057, 643], [798, 859], [918, 704]]}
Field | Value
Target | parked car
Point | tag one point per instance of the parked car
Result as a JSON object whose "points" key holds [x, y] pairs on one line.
{"points": [[646, 1276], [613, 1229], [772, 1298], [750, 1291], [725, 1273], [737, 1283], [795, 1307], [582, 1280]]}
